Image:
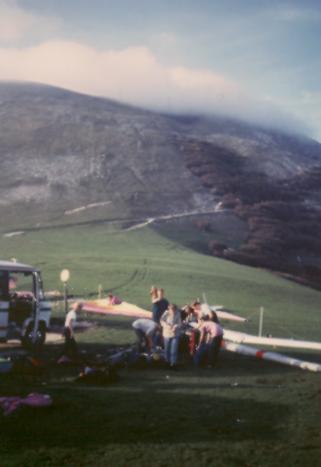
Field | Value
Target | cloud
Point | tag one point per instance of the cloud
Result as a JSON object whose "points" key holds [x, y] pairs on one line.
{"points": [[294, 14], [134, 75], [167, 38], [310, 103], [16, 23]]}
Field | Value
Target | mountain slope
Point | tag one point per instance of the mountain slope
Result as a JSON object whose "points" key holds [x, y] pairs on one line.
{"points": [[61, 150], [68, 158]]}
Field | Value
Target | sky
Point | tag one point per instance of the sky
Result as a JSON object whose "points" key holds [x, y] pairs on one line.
{"points": [[254, 59]]}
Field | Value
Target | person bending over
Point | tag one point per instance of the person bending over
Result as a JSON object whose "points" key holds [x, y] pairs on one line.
{"points": [[211, 335], [146, 331]]}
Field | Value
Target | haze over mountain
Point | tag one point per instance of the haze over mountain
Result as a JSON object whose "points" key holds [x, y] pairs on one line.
{"points": [[67, 157]]}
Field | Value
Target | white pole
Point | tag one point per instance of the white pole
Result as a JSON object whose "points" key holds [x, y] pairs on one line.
{"points": [[64, 277], [261, 321], [100, 291], [275, 357], [36, 307]]}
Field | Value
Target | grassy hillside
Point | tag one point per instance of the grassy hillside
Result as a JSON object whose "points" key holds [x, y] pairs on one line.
{"points": [[127, 263]]}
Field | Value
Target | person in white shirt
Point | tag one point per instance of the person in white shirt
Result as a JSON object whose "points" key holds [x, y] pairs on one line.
{"points": [[146, 331], [70, 347]]}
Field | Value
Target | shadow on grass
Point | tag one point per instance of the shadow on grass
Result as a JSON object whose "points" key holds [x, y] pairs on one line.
{"points": [[146, 407], [95, 416], [229, 364]]}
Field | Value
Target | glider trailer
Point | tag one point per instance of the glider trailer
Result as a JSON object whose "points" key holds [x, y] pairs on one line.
{"points": [[24, 313]]}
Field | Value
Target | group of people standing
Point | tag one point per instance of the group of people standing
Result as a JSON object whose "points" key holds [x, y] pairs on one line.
{"points": [[194, 329]]}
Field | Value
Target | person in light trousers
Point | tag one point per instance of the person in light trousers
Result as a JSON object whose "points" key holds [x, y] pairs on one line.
{"points": [[171, 324]]}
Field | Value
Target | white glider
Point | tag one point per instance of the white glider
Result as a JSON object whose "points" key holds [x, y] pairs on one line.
{"points": [[243, 338], [273, 356]]}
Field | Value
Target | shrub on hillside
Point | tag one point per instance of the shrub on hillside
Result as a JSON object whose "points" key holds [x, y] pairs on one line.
{"points": [[217, 248]]}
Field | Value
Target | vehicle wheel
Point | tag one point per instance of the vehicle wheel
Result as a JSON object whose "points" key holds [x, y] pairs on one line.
{"points": [[40, 337]]}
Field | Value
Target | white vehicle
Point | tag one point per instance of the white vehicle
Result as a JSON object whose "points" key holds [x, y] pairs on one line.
{"points": [[24, 313]]}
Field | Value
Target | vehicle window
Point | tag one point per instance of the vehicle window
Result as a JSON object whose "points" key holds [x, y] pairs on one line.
{"points": [[3, 285], [21, 285]]}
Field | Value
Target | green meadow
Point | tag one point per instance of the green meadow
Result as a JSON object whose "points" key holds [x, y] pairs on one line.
{"points": [[245, 412], [128, 263]]}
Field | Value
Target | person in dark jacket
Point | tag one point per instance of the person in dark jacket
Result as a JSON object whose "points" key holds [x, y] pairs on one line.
{"points": [[159, 304]]}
